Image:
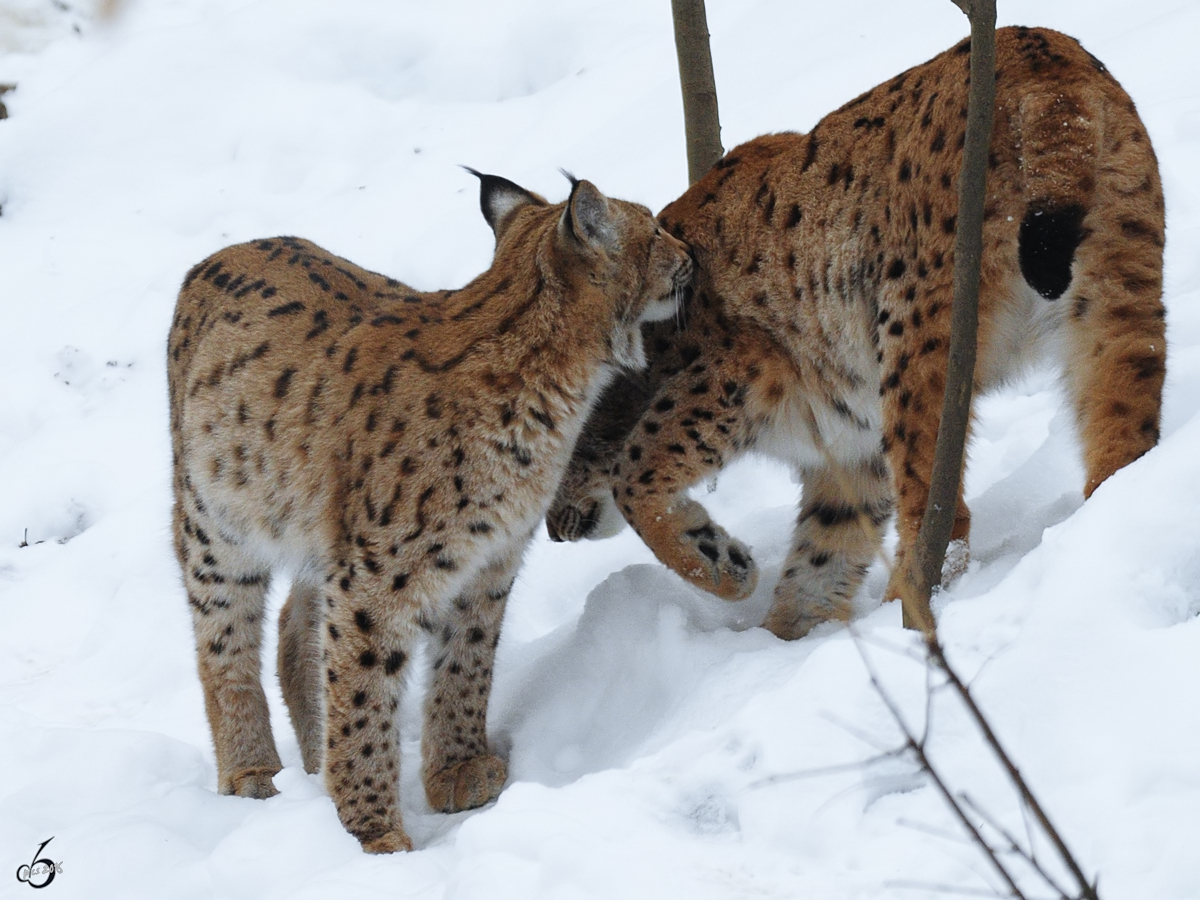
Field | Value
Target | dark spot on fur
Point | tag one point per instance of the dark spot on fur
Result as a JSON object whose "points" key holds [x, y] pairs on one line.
{"points": [[810, 152], [283, 382], [287, 309]]}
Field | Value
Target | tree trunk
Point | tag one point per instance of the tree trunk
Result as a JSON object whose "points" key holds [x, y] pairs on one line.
{"points": [[925, 567], [700, 120]]}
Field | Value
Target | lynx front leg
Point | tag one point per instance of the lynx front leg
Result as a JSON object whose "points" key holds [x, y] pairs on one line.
{"points": [[300, 671], [368, 640], [699, 420], [458, 768], [227, 593], [839, 532]]}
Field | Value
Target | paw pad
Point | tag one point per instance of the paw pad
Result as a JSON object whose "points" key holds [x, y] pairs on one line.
{"points": [[725, 566]]}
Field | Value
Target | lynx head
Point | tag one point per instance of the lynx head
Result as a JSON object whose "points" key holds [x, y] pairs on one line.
{"points": [[604, 252]]}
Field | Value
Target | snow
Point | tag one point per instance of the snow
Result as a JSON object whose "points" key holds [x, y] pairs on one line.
{"points": [[660, 745]]}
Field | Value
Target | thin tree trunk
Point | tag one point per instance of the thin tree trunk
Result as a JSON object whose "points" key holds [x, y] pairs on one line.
{"points": [[925, 567], [701, 123]]}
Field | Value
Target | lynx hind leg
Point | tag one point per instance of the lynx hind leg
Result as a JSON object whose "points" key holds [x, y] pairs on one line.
{"points": [[368, 639], [227, 594], [700, 419], [300, 675], [839, 532], [1117, 348], [458, 768]]}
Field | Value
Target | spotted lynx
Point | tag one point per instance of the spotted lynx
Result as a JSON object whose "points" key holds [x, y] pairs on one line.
{"points": [[394, 450], [819, 324]]}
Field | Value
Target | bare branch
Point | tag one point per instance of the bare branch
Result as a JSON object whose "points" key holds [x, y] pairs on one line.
{"points": [[701, 123], [854, 731], [924, 569], [918, 750], [932, 830], [825, 770], [928, 704], [1014, 846], [1087, 890], [935, 656]]}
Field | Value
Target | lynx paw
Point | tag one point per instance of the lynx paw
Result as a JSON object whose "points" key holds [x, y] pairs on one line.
{"points": [[958, 558], [721, 564], [467, 784], [389, 842], [254, 783], [788, 624], [954, 566]]}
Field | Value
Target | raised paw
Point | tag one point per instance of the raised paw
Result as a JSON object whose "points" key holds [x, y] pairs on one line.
{"points": [[722, 565], [389, 842], [254, 783], [467, 784]]}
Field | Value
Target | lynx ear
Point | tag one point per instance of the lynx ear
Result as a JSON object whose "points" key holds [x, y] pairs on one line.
{"points": [[586, 217], [499, 198]]}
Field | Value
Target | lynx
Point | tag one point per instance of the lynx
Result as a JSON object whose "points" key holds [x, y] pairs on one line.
{"points": [[394, 450], [818, 328]]}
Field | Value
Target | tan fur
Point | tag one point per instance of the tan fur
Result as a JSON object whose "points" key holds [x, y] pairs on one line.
{"points": [[819, 326], [394, 450]]}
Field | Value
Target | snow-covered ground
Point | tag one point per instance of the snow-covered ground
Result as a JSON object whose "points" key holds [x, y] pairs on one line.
{"points": [[660, 745]]}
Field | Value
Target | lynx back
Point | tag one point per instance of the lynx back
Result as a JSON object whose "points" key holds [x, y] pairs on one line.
{"points": [[818, 330]]}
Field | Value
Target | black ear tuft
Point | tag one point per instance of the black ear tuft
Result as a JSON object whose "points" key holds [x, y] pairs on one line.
{"points": [[499, 197]]}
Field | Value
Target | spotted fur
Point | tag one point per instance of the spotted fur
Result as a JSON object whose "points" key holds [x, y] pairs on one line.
{"points": [[819, 326], [394, 450]]}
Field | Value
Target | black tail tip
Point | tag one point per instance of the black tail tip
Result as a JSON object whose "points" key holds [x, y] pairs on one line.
{"points": [[1046, 247]]}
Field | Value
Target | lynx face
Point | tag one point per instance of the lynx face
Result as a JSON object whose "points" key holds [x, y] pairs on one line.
{"points": [[395, 450], [819, 325]]}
